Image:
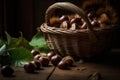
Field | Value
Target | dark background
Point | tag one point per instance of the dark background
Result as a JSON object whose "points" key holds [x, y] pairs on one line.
{"points": [[27, 15]]}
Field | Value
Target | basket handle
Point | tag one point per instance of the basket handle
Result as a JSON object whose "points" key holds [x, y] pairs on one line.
{"points": [[72, 8], [69, 7]]}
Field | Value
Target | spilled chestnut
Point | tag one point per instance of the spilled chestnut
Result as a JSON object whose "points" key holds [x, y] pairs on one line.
{"points": [[36, 57], [37, 64], [29, 67], [56, 59], [69, 60], [44, 60], [34, 52], [50, 54], [63, 65], [7, 71]]}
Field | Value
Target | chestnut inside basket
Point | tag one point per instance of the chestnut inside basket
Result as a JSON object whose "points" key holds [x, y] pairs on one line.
{"points": [[76, 43]]}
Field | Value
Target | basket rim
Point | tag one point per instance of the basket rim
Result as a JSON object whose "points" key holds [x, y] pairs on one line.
{"points": [[49, 29]]}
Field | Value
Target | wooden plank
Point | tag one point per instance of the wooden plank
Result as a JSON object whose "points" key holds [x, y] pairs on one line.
{"points": [[20, 74], [108, 66], [82, 71]]}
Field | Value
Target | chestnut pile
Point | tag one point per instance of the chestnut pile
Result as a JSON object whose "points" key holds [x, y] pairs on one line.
{"points": [[98, 13], [44, 60], [74, 22]]}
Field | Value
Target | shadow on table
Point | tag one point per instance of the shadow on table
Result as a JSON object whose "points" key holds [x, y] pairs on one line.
{"points": [[111, 58]]}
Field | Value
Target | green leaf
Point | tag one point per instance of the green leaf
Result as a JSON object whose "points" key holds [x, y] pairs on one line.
{"points": [[19, 63], [17, 42], [9, 38], [4, 56], [22, 42], [20, 54], [39, 43], [11, 42], [3, 50], [2, 42]]}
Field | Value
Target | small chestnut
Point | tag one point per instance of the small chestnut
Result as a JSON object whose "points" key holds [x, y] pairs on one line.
{"points": [[63, 65], [64, 18], [7, 71], [44, 61], [77, 20], [65, 25], [37, 64], [54, 21], [56, 59], [91, 15], [29, 67], [84, 26], [74, 26], [69, 60], [34, 52], [95, 23], [36, 57], [50, 54]]}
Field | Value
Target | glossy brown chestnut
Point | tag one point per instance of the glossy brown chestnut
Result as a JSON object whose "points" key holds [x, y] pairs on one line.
{"points": [[36, 57], [63, 65], [34, 52], [69, 60], [50, 54], [65, 25], [37, 64], [29, 67], [95, 23], [64, 18], [76, 20], [7, 71], [44, 61], [56, 59], [83, 26]]}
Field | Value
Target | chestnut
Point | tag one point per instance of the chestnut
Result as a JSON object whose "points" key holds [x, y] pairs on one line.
{"points": [[34, 52], [36, 57], [83, 26], [64, 18], [63, 65], [44, 61], [29, 67], [50, 54], [91, 15], [74, 26], [54, 21], [56, 59], [95, 23], [65, 25], [37, 64], [7, 71], [77, 20], [69, 60]]}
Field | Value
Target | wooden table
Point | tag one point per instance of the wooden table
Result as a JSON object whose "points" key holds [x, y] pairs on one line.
{"points": [[108, 66]]}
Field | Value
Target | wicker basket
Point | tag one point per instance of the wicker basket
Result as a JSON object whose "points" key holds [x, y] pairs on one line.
{"points": [[76, 43]]}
